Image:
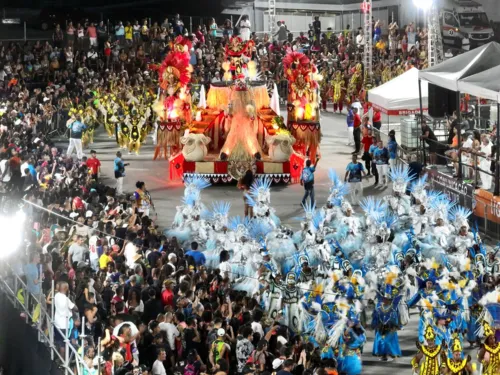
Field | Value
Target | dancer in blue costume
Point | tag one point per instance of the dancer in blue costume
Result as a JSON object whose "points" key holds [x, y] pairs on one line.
{"points": [[475, 312], [426, 287], [354, 339], [386, 322]]}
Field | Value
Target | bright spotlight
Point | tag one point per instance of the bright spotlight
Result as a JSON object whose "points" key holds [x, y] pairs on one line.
{"points": [[423, 4], [11, 233]]}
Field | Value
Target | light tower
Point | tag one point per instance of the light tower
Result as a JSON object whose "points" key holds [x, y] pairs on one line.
{"points": [[434, 39], [366, 8], [272, 17]]}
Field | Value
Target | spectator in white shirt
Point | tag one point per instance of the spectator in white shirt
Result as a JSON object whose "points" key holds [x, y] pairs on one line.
{"points": [[360, 39], [158, 368], [170, 329], [256, 326], [24, 165], [63, 311], [130, 254], [216, 78], [93, 254]]}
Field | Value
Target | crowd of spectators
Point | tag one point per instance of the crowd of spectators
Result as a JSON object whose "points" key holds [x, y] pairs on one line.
{"points": [[150, 300]]}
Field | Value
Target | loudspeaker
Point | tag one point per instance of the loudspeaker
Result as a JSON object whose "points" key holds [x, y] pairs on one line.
{"points": [[441, 101]]}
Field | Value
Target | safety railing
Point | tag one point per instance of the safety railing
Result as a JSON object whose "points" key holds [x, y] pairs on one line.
{"points": [[34, 310], [455, 156]]}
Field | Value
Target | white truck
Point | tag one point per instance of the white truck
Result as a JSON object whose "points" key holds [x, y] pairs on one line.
{"points": [[464, 21]]}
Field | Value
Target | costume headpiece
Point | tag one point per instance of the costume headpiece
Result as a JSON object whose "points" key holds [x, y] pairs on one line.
{"points": [[390, 282], [195, 182], [220, 211], [487, 330], [441, 205], [346, 206], [291, 279], [456, 345], [338, 189], [400, 176], [418, 189], [429, 334], [459, 215], [260, 191], [373, 207], [175, 71]]}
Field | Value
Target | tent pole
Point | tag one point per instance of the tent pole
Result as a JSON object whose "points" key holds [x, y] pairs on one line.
{"points": [[459, 134], [421, 119], [497, 154]]}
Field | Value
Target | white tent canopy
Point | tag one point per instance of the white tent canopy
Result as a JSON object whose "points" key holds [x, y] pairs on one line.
{"points": [[400, 95], [484, 85], [448, 73]]}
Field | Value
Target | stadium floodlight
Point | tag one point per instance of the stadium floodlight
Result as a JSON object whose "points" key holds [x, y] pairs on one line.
{"points": [[423, 4], [11, 232]]}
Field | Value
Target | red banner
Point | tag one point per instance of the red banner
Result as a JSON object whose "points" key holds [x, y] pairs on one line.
{"points": [[177, 167], [399, 112], [296, 166]]}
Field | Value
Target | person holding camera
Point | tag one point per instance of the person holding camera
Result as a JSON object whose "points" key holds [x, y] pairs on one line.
{"points": [[119, 168], [76, 128]]}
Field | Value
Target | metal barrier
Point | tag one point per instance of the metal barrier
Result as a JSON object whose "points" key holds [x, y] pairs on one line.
{"points": [[12, 284]]}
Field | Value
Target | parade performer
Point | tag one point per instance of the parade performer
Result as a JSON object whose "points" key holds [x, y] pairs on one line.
{"points": [[354, 339], [399, 202], [338, 92], [173, 107], [303, 101], [489, 353], [123, 131], [241, 141], [291, 296], [135, 133], [457, 364], [355, 84], [386, 322], [426, 361]]}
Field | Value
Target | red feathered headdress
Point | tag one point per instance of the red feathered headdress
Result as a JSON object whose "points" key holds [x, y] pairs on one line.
{"points": [[295, 60], [181, 44], [175, 71], [237, 47]]}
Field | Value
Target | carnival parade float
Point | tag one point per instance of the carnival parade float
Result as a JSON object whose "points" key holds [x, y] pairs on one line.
{"points": [[234, 130]]}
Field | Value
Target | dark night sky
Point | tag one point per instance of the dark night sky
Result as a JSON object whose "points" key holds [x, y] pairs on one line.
{"points": [[187, 7]]}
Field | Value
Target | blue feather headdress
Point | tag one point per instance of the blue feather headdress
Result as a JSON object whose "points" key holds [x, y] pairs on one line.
{"points": [[432, 196], [400, 176], [258, 230], [442, 205], [196, 182], [318, 219], [191, 197], [459, 213], [260, 191], [237, 221], [373, 207], [220, 209], [260, 185], [338, 189], [309, 210], [387, 218], [417, 189]]}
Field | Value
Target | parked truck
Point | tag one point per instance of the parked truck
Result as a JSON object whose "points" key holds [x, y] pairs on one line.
{"points": [[464, 21]]}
